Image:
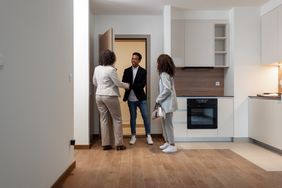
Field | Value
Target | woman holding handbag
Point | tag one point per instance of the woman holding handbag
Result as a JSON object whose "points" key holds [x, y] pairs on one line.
{"points": [[167, 100]]}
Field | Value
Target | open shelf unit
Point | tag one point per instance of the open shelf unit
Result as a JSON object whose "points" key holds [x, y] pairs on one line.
{"points": [[221, 45]]}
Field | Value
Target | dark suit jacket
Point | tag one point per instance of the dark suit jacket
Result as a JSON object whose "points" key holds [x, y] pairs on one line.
{"points": [[138, 85]]}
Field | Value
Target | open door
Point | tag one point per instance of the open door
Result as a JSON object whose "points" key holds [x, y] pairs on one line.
{"points": [[106, 41]]}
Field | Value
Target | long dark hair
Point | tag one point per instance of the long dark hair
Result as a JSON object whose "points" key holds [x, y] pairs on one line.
{"points": [[166, 64], [107, 58]]}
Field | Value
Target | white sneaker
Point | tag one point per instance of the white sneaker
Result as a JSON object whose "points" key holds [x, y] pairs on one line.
{"points": [[165, 145], [132, 140], [149, 140], [170, 149]]}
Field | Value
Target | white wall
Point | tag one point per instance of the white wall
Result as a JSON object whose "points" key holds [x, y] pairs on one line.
{"points": [[36, 92], [135, 24], [199, 14], [81, 72], [167, 29], [250, 78]]}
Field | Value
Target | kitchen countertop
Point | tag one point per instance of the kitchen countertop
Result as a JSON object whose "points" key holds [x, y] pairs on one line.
{"points": [[202, 96], [266, 97]]}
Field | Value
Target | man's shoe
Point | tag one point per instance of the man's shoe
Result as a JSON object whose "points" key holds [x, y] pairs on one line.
{"points": [[121, 147], [132, 140], [164, 146], [108, 147], [170, 149], [149, 140]]}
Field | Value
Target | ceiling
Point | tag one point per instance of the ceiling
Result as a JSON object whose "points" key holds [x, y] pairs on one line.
{"points": [[156, 6]]}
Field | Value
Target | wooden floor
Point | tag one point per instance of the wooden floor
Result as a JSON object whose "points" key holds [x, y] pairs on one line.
{"points": [[142, 165]]}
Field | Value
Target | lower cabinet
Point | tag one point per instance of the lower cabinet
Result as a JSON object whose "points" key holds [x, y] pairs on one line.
{"points": [[225, 122], [225, 117], [179, 119], [265, 117]]}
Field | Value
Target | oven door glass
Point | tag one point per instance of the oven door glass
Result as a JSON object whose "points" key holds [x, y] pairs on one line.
{"points": [[202, 116]]}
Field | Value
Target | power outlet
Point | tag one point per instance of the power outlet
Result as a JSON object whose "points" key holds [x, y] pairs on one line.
{"points": [[217, 83], [70, 77], [72, 142]]}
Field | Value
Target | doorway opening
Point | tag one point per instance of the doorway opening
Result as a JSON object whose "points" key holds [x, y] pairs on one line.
{"points": [[124, 47]]}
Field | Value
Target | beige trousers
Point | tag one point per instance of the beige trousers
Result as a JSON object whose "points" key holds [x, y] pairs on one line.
{"points": [[109, 107]]}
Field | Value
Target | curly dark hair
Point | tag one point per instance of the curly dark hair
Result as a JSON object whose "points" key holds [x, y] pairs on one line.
{"points": [[166, 64], [107, 58]]}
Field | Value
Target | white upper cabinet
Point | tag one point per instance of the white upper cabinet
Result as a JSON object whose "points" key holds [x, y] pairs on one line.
{"points": [[178, 44], [271, 36], [199, 43], [280, 34]]}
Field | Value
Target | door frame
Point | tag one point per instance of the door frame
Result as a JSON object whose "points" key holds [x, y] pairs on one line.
{"points": [[148, 84], [148, 62]]}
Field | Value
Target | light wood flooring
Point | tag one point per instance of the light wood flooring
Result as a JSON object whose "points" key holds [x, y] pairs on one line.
{"points": [[143, 166]]}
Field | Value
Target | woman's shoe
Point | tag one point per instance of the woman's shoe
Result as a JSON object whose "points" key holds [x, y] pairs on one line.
{"points": [[121, 148], [164, 146], [170, 149], [108, 147]]}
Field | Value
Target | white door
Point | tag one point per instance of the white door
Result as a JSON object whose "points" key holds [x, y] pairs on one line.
{"points": [[106, 41]]}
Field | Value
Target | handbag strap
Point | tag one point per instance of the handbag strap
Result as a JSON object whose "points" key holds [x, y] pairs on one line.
{"points": [[157, 105]]}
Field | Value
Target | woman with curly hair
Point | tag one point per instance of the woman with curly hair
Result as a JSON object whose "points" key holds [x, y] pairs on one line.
{"points": [[167, 100]]}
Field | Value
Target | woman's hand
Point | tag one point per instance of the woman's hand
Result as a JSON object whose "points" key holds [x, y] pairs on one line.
{"points": [[127, 86]]}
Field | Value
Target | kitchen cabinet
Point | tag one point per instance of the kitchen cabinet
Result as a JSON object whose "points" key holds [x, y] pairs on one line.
{"points": [[265, 121], [178, 44], [280, 34], [225, 117], [224, 132], [271, 36], [221, 45], [199, 43], [180, 119]]}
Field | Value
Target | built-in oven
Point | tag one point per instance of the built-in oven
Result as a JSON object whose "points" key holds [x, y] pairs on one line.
{"points": [[202, 113]]}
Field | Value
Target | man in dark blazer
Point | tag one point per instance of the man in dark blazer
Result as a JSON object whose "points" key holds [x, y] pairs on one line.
{"points": [[135, 96]]}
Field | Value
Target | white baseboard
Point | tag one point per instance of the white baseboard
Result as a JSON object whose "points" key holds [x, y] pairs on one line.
{"points": [[203, 139], [241, 139]]}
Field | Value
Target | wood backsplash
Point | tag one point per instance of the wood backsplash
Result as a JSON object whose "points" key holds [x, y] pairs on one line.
{"points": [[199, 82]]}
